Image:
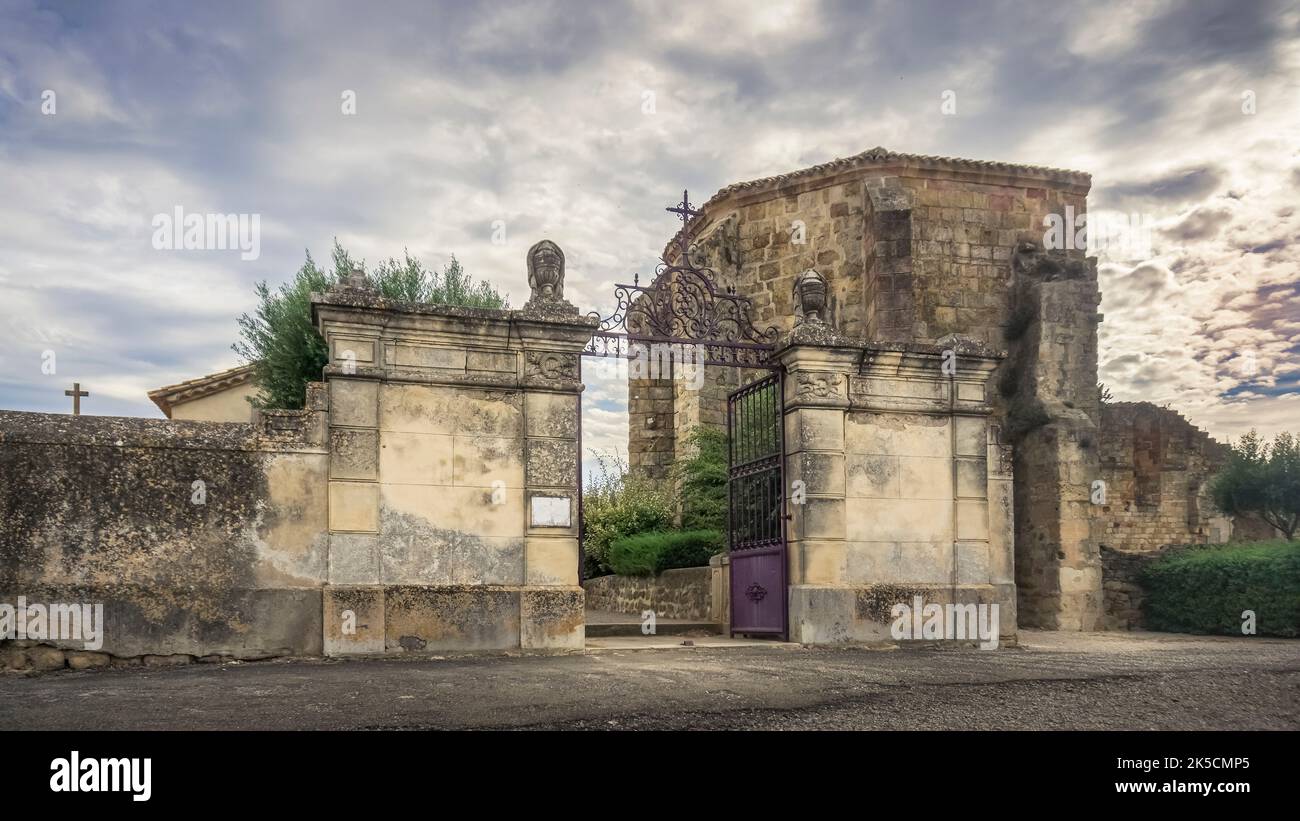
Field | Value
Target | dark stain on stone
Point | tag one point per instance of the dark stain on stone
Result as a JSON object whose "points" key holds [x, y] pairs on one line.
{"points": [[422, 553], [412, 643], [876, 602]]}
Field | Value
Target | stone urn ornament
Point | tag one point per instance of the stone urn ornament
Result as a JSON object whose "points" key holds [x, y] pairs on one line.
{"points": [[810, 296], [356, 280]]}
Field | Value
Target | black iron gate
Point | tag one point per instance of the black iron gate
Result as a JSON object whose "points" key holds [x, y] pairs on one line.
{"points": [[756, 489], [684, 309]]}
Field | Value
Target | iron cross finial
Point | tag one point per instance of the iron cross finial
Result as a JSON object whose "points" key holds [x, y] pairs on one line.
{"points": [[684, 210]]}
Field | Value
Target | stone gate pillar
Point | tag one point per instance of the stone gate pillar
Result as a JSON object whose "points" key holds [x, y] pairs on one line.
{"points": [[905, 485], [453, 491]]}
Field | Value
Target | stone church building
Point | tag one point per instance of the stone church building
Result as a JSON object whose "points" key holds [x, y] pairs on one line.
{"points": [[940, 408], [917, 249]]}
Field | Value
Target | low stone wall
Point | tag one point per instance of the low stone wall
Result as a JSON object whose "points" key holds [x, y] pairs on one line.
{"points": [[193, 539], [1122, 595], [685, 593]]}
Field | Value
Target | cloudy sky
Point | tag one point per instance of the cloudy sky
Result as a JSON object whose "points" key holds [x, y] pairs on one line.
{"points": [[580, 121]]}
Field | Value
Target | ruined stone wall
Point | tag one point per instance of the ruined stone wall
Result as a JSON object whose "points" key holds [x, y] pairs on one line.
{"points": [[1048, 388], [963, 235], [1157, 467], [107, 510]]}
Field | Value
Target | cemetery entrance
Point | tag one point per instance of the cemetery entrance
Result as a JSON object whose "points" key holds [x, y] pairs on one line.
{"points": [[685, 318]]}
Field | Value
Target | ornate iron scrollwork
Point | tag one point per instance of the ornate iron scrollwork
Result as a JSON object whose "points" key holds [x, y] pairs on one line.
{"points": [[684, 305]]}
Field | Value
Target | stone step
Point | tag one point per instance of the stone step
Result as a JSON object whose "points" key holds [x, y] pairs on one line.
{"points": [[663, 627]]}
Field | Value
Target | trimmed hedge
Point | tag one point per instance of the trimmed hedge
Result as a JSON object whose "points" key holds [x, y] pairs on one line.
{"points": [[1205, 590], [647, 554]]}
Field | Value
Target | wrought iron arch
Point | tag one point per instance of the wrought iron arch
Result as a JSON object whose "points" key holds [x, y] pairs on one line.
{"points": [[684, 306]]}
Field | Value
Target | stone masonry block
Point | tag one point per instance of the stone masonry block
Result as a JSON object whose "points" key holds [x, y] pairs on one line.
{"points": [[553, 415], [354, 506], [815, 429], [415, 458], [972, 478], [353, 620], [818, 518], [552, 619], [971, 435], [483, 461], [972, 519], [820, 472], [354, 454], [354, 558], [872, 476], [550, 561], [924, 477], [354, 402], [899, 520], [552, 463], [435, 619]]}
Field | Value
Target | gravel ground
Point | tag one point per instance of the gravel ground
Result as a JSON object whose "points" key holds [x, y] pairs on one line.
{"points": [[1051, 681]]}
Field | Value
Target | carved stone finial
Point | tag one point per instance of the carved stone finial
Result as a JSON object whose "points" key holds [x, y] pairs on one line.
{"points": [[546, 272], [546, 281], [810, 296], [356, 280]]}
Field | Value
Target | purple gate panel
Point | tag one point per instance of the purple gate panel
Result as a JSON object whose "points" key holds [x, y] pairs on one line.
{"points": [[758, 592], [756, 508]]}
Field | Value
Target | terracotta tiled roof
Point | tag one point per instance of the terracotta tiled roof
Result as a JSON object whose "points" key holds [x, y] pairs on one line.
{"points": [[879, 156], [167, 397]]}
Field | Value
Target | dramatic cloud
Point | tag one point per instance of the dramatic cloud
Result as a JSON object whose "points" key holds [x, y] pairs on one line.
{"points": [[580, 122]]}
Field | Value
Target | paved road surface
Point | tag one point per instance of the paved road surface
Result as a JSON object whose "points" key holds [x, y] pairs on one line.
{"points": [[1053, 681]]}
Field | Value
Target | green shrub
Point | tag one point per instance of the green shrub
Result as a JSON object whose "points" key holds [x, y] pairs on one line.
{"points": [[281, 341], [702, 480], [653, 553], [616, 505], [1205, 590]]}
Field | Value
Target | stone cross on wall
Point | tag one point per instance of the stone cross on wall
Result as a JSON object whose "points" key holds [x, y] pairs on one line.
{"points": [[76, 393]]}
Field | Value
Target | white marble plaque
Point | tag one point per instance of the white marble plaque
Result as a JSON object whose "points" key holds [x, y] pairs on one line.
{"points": [[551, 511]]}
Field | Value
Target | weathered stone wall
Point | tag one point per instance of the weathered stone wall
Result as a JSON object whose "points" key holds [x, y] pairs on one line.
{"points": [[908, 487], [425, 500], [107, 510], [453, 476], [1157, 467], [914, 248], [651, 426], [1048, 388], [683, 593]]}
